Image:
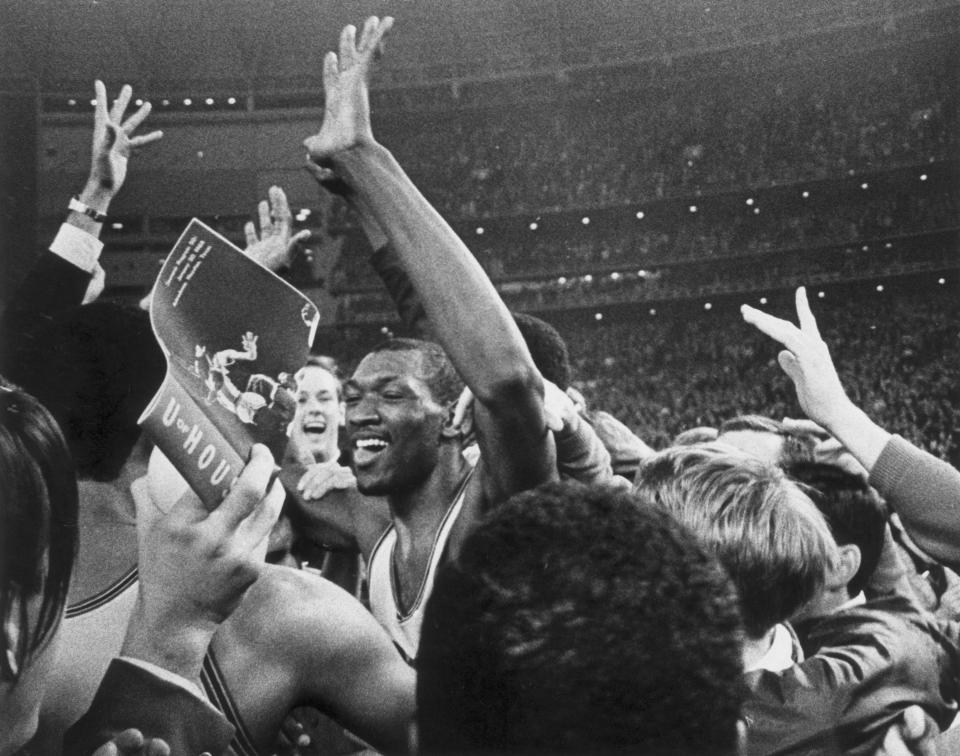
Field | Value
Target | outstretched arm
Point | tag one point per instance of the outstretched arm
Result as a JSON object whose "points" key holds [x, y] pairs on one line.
{"points": [[383, 259], [70, 273], [925, 491], [467, 315]]}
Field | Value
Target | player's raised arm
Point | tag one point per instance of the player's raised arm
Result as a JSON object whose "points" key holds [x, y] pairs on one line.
{"points": [[467, 315]]}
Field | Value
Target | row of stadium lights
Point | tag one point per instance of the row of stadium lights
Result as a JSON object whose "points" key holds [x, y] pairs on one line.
{"points": [[188, 101], [763, 300], [304, 213], [750, 202], [598, 316], [616, 275]]}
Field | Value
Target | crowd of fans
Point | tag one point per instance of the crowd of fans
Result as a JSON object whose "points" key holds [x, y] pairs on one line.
{"points": [[897, 354], [692, 137], [702, 531], [872, 217], [686, 143], [671, 367]]}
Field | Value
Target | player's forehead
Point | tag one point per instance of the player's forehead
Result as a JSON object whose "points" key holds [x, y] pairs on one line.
{"points": [[405, 365], [314, 379]]}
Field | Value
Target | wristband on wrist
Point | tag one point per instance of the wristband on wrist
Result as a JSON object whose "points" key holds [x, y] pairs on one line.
{"points": [[78, 207]]}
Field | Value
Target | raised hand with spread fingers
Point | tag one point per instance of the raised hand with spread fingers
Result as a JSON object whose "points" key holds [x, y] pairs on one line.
{"points": [[114, 141], [346, 113], [276, 245]]}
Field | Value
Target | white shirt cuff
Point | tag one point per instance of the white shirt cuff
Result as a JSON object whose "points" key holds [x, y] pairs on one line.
{"points": [[78, 247], [166, 674]]}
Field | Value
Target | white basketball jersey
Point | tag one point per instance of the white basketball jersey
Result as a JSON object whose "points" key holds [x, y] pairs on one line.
{"points": [[404, 628]]}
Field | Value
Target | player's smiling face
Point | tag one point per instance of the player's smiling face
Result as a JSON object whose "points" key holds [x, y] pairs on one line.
{"points": [[317, 421], [393, 423]]}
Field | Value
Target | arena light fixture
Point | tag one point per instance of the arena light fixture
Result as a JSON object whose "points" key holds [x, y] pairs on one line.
{"points": [[209, 101], [231, 101], [585, 220], [138, 102], [693, 208], [941, 281], [806, 194], [71, 102], [615, 276], [708, 306], [479, 230], [653, 311], [640, 215], [187, 101], [879, 287], [763, 300], [749, 200], [534, 226], [821, 294], [562, 280], [93, 103], [756, 211], [588, 278], [864, 185], [598, 316], [923, 176], [165, 103]]}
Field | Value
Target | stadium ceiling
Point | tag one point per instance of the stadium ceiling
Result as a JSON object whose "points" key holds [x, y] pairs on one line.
{"points": [[261, 45]]}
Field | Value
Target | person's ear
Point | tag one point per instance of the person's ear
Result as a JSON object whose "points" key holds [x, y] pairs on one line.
{"points": [[741, 738], [11, 634], [458, 423], [846, 567]]}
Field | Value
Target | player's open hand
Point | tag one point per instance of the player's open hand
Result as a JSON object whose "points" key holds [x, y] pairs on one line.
{"points": [[346, 87]]}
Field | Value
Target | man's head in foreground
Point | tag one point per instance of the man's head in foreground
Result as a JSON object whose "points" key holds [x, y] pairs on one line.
{"points": [[767, 439], [577, 620], [765, 531]]}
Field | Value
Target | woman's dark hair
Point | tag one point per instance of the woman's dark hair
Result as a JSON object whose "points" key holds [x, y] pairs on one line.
{"points": [[38, 521]]}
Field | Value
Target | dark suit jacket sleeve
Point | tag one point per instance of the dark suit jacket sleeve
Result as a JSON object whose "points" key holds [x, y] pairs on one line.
{"points": [[130, 696], [52, 286]]}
